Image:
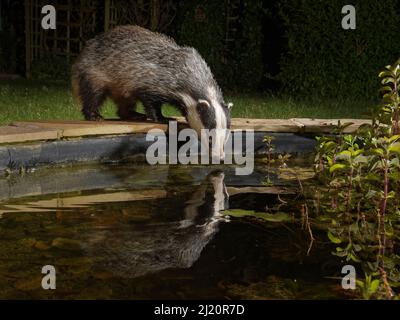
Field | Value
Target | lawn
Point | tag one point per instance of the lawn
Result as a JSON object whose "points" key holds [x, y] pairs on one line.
{"points": [[28, 100]]}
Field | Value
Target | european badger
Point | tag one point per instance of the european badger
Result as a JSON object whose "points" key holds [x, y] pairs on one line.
{"points": [[130, 63]]}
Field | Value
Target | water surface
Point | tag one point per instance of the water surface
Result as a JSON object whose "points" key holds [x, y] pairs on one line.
{"points": [[139, 232]]}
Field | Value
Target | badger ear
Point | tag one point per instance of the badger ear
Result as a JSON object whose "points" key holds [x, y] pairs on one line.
{"points": [[203, 103], [229, 105]]}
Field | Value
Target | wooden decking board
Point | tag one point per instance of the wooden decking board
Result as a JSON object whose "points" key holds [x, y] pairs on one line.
{"points": [[87, 128], [12, 134], [326, 125], [25, 131]]}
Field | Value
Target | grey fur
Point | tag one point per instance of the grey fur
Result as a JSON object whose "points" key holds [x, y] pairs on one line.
{"points": [[130, 63]]}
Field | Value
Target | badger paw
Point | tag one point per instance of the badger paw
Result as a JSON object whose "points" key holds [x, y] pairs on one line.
{"points": [[132, 116], [94, 117], [163, 119]]}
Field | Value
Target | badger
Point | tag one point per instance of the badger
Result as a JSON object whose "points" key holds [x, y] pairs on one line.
{"points": [[130, 64]]}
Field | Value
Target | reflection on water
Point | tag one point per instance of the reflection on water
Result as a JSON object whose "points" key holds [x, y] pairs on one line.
{"points": [[159, 232], [147, 248]]}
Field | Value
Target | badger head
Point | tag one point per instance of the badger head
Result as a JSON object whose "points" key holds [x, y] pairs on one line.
{"points": [[215, 116]]}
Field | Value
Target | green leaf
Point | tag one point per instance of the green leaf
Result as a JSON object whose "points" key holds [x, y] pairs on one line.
{"points": [[344, 155], [329, 145], [374, 286], [385, 73], [361, 159], [386, 88], [337, 166], [340, 253], [394, 138], [377, 151], [388, 97], [395, 162], [345, 125], [394, 148], [371, 194], [348, 138], [388, 80], [357, 152], [360, 283], [334, 239], [353, 257]]}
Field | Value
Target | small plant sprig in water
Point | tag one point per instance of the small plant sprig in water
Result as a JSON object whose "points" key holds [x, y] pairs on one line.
{"points": [[282, 168], [361, 172], [269, 160]]}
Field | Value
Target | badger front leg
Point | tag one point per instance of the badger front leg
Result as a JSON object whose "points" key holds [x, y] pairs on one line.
{"points": [[126, 110], [153, 111]]}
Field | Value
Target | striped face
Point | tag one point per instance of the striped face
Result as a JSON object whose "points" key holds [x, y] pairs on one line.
{"points": [[212, 115]]}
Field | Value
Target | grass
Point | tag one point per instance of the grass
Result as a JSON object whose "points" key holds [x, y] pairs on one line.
{"points": [[29, 100]]}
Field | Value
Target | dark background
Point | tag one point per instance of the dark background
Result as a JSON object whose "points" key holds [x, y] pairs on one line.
{"points": [[294, 46]]}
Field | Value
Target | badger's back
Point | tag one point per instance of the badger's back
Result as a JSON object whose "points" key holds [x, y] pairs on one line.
{"points": [[133, 59]]}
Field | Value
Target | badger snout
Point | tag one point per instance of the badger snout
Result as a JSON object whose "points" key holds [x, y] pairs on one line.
{"points": [[219, 157], [211, 121], [218, 148]]}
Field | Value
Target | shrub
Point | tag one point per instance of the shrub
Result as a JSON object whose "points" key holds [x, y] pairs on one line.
{"points": [[8, 55], [361, 175], [203, 25], [50, 67], [324, 60]]}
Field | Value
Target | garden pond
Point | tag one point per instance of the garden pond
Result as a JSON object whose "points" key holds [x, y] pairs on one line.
{"points": [[131, 231]]}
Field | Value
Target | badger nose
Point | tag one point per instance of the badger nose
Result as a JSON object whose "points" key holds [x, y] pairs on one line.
{"points": [[220, 157]]}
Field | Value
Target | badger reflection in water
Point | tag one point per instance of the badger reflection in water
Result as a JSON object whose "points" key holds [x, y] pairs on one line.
{"points": [[147, 248]]}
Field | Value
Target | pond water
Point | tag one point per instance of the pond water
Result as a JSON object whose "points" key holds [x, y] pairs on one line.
{"points": [[131, 231]]}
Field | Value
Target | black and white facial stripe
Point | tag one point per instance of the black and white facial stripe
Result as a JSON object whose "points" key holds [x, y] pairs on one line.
{"points": [[210, 113], [207, 114]]}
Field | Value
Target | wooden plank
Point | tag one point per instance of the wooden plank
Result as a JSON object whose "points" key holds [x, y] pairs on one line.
{"points": [[262, 125], [267, 190], [268, 125], [13, 134], [70, 128], [326, 125], [21, 131]]}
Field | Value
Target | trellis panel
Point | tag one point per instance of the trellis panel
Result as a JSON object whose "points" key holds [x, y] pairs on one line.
{"points": [[75, 23]]}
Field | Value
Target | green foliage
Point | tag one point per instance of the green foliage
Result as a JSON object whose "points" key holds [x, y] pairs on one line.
{"points": [[247, 63], [237, 64], [51, 67], [8, 54], [362, 175], [368, 286], [205, 33], [323, 59]]}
